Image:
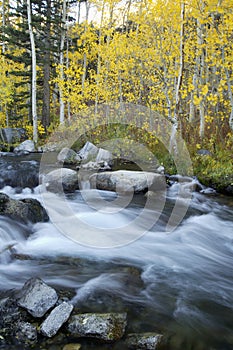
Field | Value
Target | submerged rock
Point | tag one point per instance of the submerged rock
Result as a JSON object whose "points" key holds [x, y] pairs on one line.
{"points": [[72, 346], [107, 327], [63, 179], [124, 181], [37, 297], [23, 210], [56, 319], [143, 341]]}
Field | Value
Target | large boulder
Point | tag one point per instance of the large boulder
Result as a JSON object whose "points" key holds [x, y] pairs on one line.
{"points": [[124, 181], [143, 341], [24, 210], [68, 156], [18, 172], [58, 316], [107, 327], [88, 152], [27, 146], [12, 135], [37, 297], [63, 179]]}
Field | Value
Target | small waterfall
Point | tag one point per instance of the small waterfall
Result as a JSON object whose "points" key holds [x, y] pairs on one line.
{"points": [[11, 234]]}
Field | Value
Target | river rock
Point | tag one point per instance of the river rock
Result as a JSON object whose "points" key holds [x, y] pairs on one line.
{"points": [[26, 146], [67, 177], [56, 319], [12, 135], [9, 312], [143, 341], [124, 181], [107, 327], [26, 333], [103, 155], [24, 210], [68, 156], [88, 152], [37, 297]]}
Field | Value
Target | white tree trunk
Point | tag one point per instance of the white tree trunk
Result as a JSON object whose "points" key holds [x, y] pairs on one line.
{"points": [[3, 24], [62, 43], [230, 96], [179, 82], [201, 64], [34, 72]]}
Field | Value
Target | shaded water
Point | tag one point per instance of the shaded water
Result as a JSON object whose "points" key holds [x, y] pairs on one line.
{"points": [[178, 283]]}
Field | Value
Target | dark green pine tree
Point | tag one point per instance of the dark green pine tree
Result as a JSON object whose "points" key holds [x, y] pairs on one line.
{"points": [[47, 25]]}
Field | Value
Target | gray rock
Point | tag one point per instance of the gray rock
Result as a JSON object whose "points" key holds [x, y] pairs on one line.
{"points": [[68, 156], [24, 210], [9, 312], [103, 155], [204, 152], [88, 152], [12, 135], [106, 327], [26, 332], [37, 297], [103, 166], [56, 319], [143, 341], [124, 181], [63, 179], [26, 146]]}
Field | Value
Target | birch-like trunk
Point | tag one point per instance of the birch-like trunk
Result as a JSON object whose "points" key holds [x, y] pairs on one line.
{"points": [[230, 95], [46, 69], [3, 25], [34, 73], [62, 44], [201, 65], [173, 145], [99, 60], [85, 55]]}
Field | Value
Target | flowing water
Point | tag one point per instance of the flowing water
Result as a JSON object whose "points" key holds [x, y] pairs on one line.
{"points": [[178, 283]]}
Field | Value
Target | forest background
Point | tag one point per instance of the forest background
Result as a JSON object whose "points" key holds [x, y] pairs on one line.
{"points": [[174, 57]]}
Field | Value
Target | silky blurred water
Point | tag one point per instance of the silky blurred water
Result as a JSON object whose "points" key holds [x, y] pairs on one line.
{"points": [[186, 289]]}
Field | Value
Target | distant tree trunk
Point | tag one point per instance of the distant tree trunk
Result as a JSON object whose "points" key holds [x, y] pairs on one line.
{"points": [[229, 92], [179, 81], [3, 25], [85, 55], [201, 64], [47, 62], [62, 44], [34, 72]]}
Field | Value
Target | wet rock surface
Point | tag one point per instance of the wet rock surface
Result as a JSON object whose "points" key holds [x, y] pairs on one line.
{"points": [[107, 327], [37, 297], [123, 181], [68, 156], [58, 316], [25, 210], [63, 179], [26, 332], [144, 341]]}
